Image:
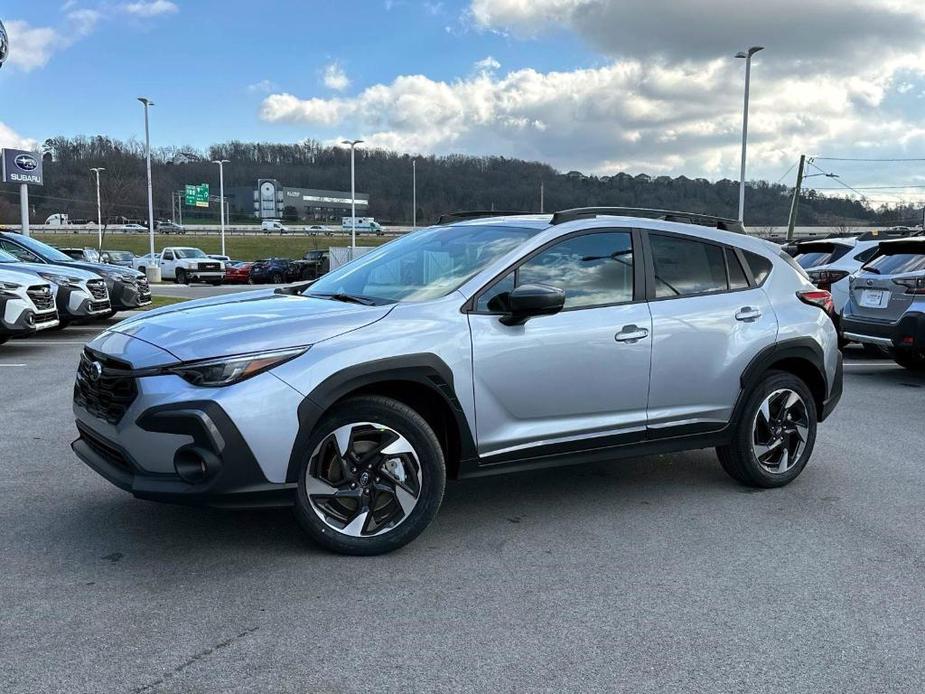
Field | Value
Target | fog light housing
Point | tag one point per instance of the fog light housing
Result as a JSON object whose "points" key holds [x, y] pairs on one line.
{"points": [[194, 464]]}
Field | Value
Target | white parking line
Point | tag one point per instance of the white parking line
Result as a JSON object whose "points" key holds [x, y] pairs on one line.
{"points": [[50, 342], [10, 365], [866, 365]]}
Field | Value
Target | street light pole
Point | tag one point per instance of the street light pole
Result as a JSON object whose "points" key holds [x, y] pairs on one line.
{"points": [[353, 197], [156, 270], [221, 194], [99, 208], [414, 194], [747, 55]]}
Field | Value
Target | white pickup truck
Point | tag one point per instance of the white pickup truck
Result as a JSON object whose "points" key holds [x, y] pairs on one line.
{"points": [[183, 265]]}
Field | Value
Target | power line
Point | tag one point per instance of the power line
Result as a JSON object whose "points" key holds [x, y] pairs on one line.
{"points": [[863, 159], [792, 167], [876, 187], [837, 180]]}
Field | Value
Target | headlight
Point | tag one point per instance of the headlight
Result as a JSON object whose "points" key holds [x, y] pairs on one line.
{"points": [[10, 285], [61, 281], [228, 370], [131, 279]]}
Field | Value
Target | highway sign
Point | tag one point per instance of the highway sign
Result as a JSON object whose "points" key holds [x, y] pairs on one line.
{"points": [[197, 196]]}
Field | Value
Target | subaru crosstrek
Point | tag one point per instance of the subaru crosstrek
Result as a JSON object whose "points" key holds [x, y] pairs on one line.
{"points": [[27, 305], [470, 348], [886, 302]]}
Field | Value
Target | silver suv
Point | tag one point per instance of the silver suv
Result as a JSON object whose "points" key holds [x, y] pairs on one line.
{"points": [[886, 302], [474, 347]]}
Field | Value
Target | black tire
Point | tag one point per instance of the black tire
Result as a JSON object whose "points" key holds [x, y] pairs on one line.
{"points": [[738, 458], [216, 283], [180, 277], [408, 423], [3, 338], [875, 351], [277, 278], [110, 314], [912, 359]]}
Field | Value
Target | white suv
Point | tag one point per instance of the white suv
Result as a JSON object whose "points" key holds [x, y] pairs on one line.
{"points": [[27, 304]]}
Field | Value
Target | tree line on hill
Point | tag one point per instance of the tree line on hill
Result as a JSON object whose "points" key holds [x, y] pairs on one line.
{"points": [[444, 184]]}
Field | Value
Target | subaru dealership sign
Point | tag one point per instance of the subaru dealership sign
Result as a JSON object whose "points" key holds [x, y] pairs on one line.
{"points": [[20, 166]]}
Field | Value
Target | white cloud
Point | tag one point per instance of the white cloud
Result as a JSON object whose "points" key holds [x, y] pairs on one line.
{"points": [[150, 8], [31, 47], [335, 78], [13, 140], [262, 87], [487, 64]]}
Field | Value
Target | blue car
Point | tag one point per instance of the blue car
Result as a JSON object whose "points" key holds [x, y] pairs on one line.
{"points": [[273, 271]]}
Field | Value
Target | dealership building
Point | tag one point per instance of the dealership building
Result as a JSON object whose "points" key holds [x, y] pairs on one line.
{"points": [[269, 199]]}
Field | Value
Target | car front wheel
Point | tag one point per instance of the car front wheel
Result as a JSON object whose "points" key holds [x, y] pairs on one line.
{"points": [[372, 479], [774, 435], [180, 277]]}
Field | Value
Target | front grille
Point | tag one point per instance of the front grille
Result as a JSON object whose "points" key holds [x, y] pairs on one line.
{"points": [[42, 318], [96, 306], [105, 449], [103, 395], [209, 266], [42, 297], [97, 289]]}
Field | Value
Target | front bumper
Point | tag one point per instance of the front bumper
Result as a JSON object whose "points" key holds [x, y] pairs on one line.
{"points": [[76, 302], [205, 275], [126, 296], [18, 318], [907, 333], [231, 477]]}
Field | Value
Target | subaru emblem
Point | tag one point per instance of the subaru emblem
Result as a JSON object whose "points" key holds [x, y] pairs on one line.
{"points": [[870, 283], [96, 371], [26, 162]]}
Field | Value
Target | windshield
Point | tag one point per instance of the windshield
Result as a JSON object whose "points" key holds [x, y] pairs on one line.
{"points": [[897, 263], [120, 255], [43, 250], [92, 255], [190, 253], [423, 265]]}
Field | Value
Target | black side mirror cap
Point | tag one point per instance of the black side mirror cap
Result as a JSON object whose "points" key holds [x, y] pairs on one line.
{"points": [[530, 300]]}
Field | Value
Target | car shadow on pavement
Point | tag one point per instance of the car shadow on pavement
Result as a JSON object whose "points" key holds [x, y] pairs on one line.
{"points": [[120, 524]]}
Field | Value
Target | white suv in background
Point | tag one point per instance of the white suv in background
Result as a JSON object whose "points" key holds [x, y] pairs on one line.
{"points": [[27, 304]]}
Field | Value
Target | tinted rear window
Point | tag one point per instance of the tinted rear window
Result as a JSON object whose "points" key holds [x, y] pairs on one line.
{"points": [[813, 255], [897, 263]]}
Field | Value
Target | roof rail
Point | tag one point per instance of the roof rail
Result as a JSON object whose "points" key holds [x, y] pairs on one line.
{"points": [[666, 215], [448, 217]]}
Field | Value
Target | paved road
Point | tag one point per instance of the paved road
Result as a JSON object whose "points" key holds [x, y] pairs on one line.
{"points": [[648, 575]]}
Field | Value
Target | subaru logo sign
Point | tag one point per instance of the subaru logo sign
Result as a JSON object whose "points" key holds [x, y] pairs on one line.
{"points": [[96, 371], [26, 162], [21, 166]]}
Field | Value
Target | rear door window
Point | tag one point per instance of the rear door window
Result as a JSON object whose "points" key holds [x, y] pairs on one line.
{"points": [[684, 267]]}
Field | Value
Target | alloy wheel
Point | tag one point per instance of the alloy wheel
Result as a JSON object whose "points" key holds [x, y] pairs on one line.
{"points": [[363, 479], [780, 430]]}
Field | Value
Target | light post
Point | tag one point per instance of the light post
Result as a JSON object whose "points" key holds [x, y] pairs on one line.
{"points": [[4, 45], [414, 194], [747, 55], [221, 194], [99, 208], [155, 271], [353, 196]]}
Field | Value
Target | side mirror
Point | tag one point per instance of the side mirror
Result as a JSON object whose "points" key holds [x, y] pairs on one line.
{"points": [[530, 300]]}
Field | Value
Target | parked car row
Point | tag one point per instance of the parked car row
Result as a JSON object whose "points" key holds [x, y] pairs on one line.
{"points": [[184, 265], [878, 291], [42, 287]]}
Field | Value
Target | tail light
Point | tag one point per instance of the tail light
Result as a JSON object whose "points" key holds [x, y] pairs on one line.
{"points": [[817, 297], [913, 285], [824, 279]]}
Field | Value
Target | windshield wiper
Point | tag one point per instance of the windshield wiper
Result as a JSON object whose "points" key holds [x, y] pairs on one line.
{"points": [[872, 270], [347, 298]]}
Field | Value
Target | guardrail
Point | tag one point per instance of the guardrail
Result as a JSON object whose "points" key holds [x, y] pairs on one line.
{"points": [[203, 230]]}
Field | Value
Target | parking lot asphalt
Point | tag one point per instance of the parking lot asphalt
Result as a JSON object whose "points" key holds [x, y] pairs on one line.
{"points": [[647, 575]]}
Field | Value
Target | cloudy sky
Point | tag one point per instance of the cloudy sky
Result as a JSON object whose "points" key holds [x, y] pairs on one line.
{"points": [[595, 85]]}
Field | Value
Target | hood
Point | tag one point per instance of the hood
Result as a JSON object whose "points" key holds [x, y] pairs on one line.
{"points": [[103, 269], [9, 274], [248, 322], [56, 270]]}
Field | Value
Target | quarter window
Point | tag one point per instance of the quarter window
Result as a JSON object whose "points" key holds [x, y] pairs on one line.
{"points": [[593, 270], [760, 266], [684, 267]]}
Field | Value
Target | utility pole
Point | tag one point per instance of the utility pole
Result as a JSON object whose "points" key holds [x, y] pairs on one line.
{"points": [[414, 194], [99, 208], [795, 203], [353, 197], [154, 273], [221, 192], [541, 197]]}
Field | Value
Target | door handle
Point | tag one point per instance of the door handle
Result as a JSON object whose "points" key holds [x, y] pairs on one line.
{"points": [[748, 314], [631, 333]]}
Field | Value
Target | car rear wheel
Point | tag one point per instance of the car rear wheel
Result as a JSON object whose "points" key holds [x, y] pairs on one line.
{"points": [[912, 359], [372, 479], [775, 433]]}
